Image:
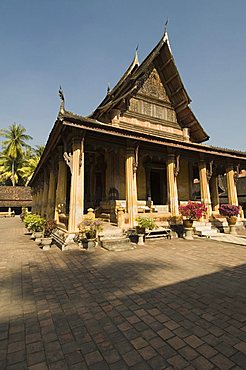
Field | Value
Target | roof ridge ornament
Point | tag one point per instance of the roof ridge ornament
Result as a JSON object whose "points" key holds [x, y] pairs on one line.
{"points": [[136, 60], [165, 28], [165, 38], [108, 89], [62, 98]]}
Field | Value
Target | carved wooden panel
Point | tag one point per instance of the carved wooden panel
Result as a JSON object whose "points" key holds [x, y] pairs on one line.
{"points": [[153, 87], [152, 110]]}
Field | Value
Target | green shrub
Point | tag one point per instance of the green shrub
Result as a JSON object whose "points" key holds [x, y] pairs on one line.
{"points": [[34, 223], [146, 222]]}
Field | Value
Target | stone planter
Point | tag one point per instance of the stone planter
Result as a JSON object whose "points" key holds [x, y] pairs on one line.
{"points": [[89, 244], [37, 236], [232, 224], [140, 230], [46, 243], [188, 235], [187, 224], [232, 220], [141, 239]]}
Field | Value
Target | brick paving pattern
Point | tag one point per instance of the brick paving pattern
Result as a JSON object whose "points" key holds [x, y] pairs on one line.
{"points": [[171, 304]]}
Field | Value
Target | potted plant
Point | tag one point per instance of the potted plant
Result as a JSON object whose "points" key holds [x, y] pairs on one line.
{"points": [[231, 213], [145, 223], [36, 225], [49, 226], [192, 211], [89, 229], [27, 219]]}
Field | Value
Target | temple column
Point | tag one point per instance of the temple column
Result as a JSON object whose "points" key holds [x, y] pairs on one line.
{"points": [[204, 187], [51, 194], [45, 195], [76, 164], [40, 200], [34, 200], [131, 186], [61, 190], [38, 210], [215, 193], [231, 186], [172, 185]]}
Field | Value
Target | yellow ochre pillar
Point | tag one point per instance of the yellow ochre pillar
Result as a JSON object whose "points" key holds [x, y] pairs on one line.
{"points": [[61, 189], [204, 187], [131, 186], [76, 205], [172, 186], [231, 186]]}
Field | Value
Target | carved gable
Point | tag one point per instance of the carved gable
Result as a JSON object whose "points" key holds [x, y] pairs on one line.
{"points": [[152, 101], [151, 109], [153, 87]]}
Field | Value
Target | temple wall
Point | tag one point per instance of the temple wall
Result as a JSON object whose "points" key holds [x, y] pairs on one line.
{"points": [[183, 180], [147, 123]]}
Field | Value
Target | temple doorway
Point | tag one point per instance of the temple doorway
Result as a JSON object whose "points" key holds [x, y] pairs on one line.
{"points": [[158, 186]]}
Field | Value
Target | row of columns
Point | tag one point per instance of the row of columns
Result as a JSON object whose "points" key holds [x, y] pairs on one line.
{"points": [[206, 196], [49, 195], [49, 200]]}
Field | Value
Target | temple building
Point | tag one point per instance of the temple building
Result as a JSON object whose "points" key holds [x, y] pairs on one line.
{"points": [[141, 150]]}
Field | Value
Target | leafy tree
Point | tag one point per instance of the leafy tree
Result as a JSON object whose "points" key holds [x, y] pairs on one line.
{"points": [[8, 173], [38, 150], [28, 168], [13, 147]]}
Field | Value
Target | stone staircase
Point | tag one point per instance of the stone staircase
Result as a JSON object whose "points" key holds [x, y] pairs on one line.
{"points": [[113, 239], [203, 228]]}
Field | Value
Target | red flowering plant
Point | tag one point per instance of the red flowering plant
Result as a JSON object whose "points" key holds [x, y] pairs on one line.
{"points": [[192, 210], [229, 210]]}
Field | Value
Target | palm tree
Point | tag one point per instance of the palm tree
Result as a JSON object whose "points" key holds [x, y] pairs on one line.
{"points": [[39, 150], [6, 170], [28, 168], [14, 144], [30, 163]]}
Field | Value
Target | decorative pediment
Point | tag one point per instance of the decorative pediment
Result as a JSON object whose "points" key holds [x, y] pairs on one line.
{"points": [[153, 87]]}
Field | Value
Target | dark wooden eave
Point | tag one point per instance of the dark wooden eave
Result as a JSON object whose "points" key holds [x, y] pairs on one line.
{"points": [[162, 59]]}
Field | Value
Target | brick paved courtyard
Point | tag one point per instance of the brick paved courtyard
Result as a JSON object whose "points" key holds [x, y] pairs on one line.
{"points": [[167, 305]]}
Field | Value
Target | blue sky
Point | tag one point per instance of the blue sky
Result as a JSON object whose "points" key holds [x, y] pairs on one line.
{"points": [[84, 44]]}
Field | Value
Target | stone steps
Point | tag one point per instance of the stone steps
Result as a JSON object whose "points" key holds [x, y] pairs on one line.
{"points": [[116, 243], [113, 239], [203, 228]]}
